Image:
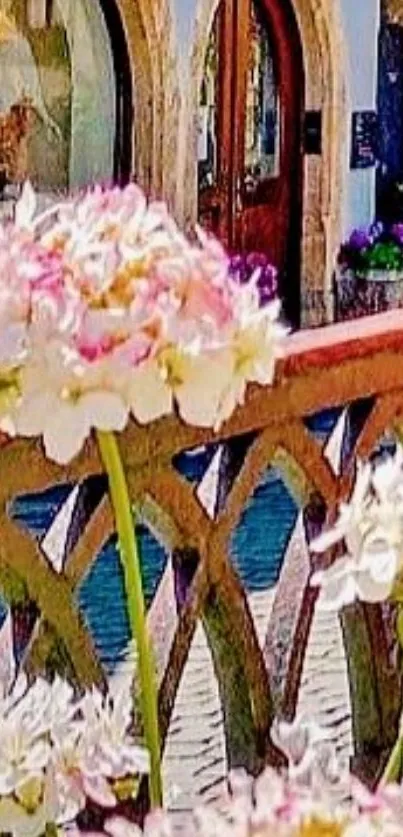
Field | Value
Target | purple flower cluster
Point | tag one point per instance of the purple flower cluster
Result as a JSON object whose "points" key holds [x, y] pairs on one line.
{"points": [[397, 232], [363, 237], [376, 247], [244, 266]]}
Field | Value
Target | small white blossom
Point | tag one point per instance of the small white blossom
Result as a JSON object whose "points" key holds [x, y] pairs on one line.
{"points": [[58, 751], [371, 527]]}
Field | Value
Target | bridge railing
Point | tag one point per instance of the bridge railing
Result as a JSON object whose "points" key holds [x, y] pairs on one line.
{"points": [[356, 369]]}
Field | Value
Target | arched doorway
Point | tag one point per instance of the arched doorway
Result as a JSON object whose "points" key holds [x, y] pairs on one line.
{"points": [[64, 64], [250, 136]]}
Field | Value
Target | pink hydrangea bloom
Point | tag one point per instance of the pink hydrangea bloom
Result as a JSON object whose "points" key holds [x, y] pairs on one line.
{"points": [[108, 311]]}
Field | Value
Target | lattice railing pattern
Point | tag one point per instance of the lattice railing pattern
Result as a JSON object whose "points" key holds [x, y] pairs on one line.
{"points": [[328, 368]]}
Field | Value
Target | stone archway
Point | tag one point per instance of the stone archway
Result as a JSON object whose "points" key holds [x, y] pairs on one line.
{"points": [[143, 82], [321, 36], [149, 32]]}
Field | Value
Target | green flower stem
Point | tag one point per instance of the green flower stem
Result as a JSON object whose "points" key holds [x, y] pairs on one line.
{"points": [[393, 770], [130, 559]]}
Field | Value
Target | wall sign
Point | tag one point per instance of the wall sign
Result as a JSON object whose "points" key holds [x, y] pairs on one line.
{"points": [[364, 141], [313, 132]]}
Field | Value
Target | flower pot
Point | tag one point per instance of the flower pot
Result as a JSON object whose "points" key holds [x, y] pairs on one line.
{"points": [[359, 295], [381, 275]]}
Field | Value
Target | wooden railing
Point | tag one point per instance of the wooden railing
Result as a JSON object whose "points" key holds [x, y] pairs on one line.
{"points": [[358, 366]]}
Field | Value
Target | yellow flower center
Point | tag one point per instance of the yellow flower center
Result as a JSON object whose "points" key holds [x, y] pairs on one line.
{"points": [[30, 794], [125, 788], [244, 358], [121, 291], [316, 827], [172, 367]]}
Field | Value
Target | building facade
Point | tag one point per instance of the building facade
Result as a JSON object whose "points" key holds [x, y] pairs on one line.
{"points": [[258, 117]]}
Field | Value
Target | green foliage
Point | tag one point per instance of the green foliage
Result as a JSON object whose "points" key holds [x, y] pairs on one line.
{"points": [[386, 255]]}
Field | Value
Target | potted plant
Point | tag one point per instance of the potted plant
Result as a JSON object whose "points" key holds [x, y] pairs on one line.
{"points": [[369, 275]]}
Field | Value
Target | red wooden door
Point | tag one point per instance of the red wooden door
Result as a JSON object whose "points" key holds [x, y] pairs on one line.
{"points": [[250, 149]]}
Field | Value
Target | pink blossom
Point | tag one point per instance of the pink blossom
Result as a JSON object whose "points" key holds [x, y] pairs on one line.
{"points": [[108, 310]]}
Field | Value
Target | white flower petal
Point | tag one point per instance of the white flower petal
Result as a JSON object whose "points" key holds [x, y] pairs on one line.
{"points": [[65, 432], [26, 206], [337, 593], [380, 562], [264, 367], [34, 411], [369, 590], [200, 396], [104, 410], [149, 395], [328, 538]]}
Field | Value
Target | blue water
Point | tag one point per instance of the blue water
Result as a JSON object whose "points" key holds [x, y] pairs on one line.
{"points": [[257, 548]]}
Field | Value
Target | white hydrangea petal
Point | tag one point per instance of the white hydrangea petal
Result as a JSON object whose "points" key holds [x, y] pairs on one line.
{"points": [[104, 410], [381, 561], [369, 590], [34, 411], [149, 395], [206, 380], [65, 432], [328, 538], [337, 590], [264, 366]]}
